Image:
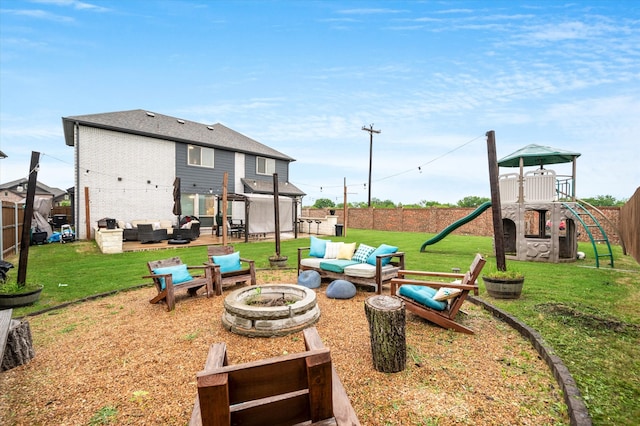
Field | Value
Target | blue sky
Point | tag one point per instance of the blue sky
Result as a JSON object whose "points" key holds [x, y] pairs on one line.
{"points": [[304, 77]]}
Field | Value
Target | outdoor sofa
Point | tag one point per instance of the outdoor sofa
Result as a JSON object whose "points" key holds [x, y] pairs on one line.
{"points": [[359, 264]]}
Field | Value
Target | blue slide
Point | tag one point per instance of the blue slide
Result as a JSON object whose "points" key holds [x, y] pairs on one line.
{"points": [[458, 223]]}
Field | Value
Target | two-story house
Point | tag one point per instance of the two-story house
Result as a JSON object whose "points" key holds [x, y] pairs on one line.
{"points": [[126, 163]]}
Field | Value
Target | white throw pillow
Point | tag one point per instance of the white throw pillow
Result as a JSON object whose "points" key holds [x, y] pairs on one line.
{"points": [[332, 250]]}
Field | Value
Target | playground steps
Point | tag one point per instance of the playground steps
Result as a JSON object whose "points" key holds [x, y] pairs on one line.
{"points": [[595, 231]]}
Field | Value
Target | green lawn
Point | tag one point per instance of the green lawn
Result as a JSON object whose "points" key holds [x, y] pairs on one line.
{"points": [[588, 315]]}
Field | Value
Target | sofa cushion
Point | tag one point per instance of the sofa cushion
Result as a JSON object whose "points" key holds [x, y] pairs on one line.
{"points": [[228, 262], [318, 246], [423, 295], [332, 250], [363, 270], [311, 262], [382, 249], [362, 254], [179, 274], [336, 265]]}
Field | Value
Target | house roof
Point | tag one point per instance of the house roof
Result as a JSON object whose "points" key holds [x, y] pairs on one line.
{"points": [[161, 126], [41, 188], [287, 189]]}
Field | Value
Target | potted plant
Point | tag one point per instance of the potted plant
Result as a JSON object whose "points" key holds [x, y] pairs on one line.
{"points": [[13, 295], [503, 284]]}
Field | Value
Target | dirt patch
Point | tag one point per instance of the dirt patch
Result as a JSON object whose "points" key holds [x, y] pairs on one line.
{"points": [[587, 317], [124, 361]]}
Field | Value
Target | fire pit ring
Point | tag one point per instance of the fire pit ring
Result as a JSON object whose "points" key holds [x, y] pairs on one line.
{"points": [[254, 320]]}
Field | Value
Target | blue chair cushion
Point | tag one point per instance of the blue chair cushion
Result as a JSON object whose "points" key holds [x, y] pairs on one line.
{"points": [[341, 289], [228, 262], [382, 249], [423, 295], [318, 247], [309, 279], [179, 274]]}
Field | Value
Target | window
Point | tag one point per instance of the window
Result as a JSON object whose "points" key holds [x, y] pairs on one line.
{"points": [[265, 166], [200, 156]]}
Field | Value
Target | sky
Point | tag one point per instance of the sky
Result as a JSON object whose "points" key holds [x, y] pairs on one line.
{"points": [[305, 77]]}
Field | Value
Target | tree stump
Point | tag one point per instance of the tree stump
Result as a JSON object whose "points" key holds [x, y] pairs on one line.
{"points": [[386, 317], [19, 348]]}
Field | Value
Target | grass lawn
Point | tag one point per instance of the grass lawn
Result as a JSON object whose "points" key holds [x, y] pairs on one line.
{"points": [[588, 315]]}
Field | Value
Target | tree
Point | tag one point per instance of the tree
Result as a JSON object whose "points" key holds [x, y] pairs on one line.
{"points": [[323, 203], [604, 201], [472, 201]]}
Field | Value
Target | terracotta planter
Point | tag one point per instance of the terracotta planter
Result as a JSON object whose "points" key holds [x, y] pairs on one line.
{"points": [[503, 288], [16, 300]]}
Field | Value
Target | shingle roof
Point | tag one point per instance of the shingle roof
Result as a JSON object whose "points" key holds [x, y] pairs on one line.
{"points": [[161, 126], [41, 188]]}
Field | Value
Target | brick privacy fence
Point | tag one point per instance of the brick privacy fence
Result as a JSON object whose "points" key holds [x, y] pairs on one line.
{"points": [[433, 220]]}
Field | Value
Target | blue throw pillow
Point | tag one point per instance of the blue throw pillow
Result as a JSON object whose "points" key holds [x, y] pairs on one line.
{"points": [[382, 249], [179, 274], [228, 262], [318, 247]]}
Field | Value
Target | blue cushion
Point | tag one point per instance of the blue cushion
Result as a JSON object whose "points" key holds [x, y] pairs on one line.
{"points": [[228, 262], [382, 249], [318, 247], [179, 274], [362, 254], [309, 279], [341, 289], [423, 295], [336, 265]]}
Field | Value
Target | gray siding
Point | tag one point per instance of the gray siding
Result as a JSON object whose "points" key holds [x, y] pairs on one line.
{"points": [[282, 169], [195, 179]]}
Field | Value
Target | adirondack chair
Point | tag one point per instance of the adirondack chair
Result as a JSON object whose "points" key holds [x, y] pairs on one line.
{"points": [[230, 271], [171, 274], [285, 390], [423, 299]]}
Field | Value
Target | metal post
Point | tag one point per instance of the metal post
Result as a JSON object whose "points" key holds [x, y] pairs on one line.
{"points": [[371, 132]]}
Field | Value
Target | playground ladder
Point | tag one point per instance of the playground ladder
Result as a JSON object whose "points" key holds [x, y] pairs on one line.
{"points": [[589, 222]]}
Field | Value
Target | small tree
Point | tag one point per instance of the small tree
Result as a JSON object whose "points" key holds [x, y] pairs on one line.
{"points": [[472, 201], [323, 203]]}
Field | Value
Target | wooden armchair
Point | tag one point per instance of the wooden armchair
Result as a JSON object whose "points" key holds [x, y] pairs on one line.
{"points": [[285, 390], [419, 294], [230, 278], [169, 275]]}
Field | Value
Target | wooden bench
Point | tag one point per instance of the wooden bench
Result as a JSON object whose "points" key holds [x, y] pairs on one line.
{"points": [[284, 390], [166, 288], [227, 279]]}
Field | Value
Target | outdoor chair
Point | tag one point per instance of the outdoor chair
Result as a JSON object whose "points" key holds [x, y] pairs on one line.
{"points": [[228, 267], [301, 388], [437, 302], [171, 274], [146, 233]]}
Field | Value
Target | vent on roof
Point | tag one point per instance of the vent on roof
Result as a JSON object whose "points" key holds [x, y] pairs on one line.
{"points": [[210, 127], [150, 114], [180, 121]]}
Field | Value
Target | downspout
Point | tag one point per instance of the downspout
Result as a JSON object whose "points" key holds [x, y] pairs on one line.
{"points": [[76, 195]]}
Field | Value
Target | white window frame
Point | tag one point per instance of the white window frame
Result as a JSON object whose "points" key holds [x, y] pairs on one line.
{"points": [[269, 166], [198, 161]]}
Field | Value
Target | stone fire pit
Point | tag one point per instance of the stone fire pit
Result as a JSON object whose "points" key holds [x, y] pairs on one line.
{"points": [[270, 310]]}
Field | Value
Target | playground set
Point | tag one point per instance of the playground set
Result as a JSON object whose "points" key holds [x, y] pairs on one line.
{"points": [[540, 211]]}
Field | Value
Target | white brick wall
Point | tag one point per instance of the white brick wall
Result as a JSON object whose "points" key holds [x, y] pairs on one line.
{"points": [[119, 166]]}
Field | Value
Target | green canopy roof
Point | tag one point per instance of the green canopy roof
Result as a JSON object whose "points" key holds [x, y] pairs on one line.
{"points": [[537, 155]]}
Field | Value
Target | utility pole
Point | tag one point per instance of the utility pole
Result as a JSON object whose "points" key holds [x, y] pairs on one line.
{"points": [[371, 132]]}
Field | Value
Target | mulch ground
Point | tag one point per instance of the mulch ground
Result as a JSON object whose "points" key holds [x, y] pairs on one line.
{"points": [[120, 360]]}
